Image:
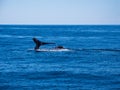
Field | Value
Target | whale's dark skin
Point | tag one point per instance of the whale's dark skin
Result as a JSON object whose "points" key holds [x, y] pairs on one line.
{"points": [[59, 47], [39, 43]]}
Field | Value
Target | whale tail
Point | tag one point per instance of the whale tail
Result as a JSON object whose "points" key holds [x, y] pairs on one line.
{"points": [[39, 43]]}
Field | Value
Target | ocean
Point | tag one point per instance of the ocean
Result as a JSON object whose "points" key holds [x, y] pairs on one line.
{"points": [[93, 63]]}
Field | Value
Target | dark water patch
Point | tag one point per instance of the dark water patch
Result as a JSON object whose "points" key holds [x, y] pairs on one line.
{"points": [[114, 88], [54, 75], [116, 75], [115, 82], [5, 87], [112, 50], [47, 75]]}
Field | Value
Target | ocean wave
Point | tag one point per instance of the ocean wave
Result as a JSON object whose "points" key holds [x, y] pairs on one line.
{"points": [[56, 74], [51, 37], [101, 31], [15, 36], [73, 38], [19, 28]]}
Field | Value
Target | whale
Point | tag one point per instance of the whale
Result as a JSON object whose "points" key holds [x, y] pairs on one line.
{"points": [[40, 43]]}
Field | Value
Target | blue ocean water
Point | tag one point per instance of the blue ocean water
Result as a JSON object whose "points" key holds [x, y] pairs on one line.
{"points": [[93, 65]]}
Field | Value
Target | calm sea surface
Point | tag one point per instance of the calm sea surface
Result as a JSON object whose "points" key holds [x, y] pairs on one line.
{"points": [[94, 63]]}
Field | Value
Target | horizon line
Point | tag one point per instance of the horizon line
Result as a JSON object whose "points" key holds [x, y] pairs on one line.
{"points": [[61, 24]]}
